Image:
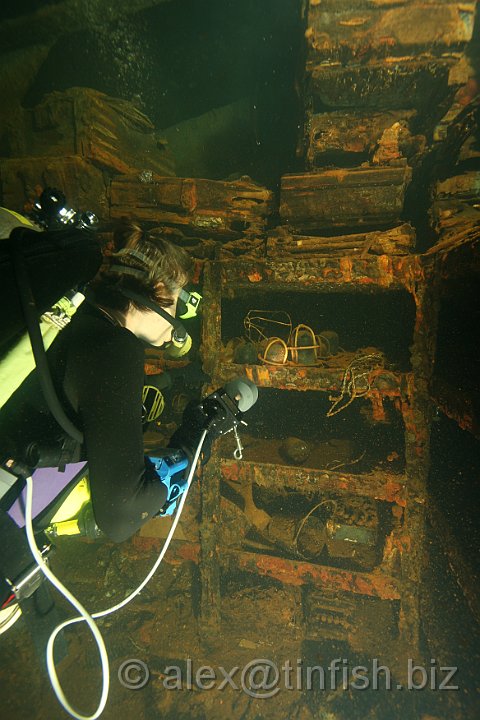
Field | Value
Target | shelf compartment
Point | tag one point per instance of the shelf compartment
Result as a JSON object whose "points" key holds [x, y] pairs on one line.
{"points": [[292, 429]]}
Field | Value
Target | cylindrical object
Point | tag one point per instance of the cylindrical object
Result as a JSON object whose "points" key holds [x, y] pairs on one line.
{"points": [[243, 391]]}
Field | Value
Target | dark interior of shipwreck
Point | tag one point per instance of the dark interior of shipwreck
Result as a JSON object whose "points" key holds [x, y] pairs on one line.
{"points": [[320, 162]]}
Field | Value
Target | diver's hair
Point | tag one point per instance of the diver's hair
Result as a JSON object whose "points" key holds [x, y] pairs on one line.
{"points": [[143, 262]]}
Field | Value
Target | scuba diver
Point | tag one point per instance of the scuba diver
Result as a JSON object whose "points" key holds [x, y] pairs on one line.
{"points": [[97, 365], [85, 404]]}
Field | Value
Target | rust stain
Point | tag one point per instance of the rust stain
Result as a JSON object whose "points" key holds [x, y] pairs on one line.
{"points": [[231, 471], [346, 267], [353, 22], [394, 493]]}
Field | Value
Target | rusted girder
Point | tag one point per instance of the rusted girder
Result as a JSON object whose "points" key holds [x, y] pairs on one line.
{"points": [[325, 274], [386, 486], [399, 240], [325, 379], [292, 572]]}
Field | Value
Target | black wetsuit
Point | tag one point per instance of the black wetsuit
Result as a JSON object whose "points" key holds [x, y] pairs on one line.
{"points": [[98, 370]]}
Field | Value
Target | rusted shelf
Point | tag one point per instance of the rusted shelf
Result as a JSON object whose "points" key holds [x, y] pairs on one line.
{"points": [[294, 572], [386, 383], [457, 405], [323, 274], [378, 484]]}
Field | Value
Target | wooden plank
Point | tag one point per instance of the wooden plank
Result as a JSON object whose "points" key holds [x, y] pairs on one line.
{"points": [[343, 198], [198, 206], [82, 183], [359, 30]]}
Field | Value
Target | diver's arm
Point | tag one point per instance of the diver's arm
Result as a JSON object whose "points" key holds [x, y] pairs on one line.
{"points": [[124, 487]]}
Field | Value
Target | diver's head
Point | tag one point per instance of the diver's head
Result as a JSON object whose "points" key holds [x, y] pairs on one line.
{"points": [[146, 271]]}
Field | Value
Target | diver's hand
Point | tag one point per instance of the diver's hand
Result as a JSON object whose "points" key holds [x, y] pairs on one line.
{"points": [[187, 436]]}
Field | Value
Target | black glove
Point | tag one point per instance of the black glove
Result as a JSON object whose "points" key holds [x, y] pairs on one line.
{"points": [[187, 436]]}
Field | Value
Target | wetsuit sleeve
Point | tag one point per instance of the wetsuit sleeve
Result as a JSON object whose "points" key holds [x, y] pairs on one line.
{"points": [[124, 487]]}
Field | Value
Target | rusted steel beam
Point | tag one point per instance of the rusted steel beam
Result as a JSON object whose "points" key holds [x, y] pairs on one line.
{"points": [[326, 379], [218, 209], [386, 486], [393, 84], [343, 197], [210, 598], [358, 31], [400, 240], [457, 405], [292, 572], [325, 274], [212, 329], [459, 246], [417, 415]]}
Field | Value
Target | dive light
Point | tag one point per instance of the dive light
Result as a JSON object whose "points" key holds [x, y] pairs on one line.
{"points": [[51, 210]]}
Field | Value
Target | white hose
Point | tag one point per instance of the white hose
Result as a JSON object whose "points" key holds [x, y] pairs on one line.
{"points": [[83, 615]]}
